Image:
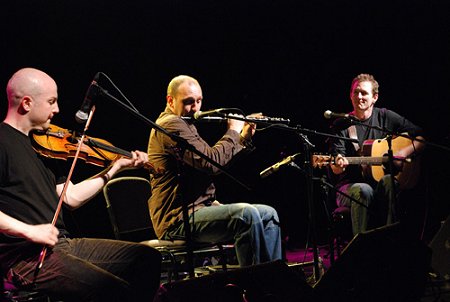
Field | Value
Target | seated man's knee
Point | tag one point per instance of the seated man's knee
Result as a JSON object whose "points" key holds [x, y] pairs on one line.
{"points": [[266, 211], [385, 183], [362, 192], [243, 213], [251, 213]]}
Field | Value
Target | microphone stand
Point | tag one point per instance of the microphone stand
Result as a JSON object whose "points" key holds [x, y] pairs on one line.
{"points": [[310, 184], [392, 195], [310, 196], [182, 145]]}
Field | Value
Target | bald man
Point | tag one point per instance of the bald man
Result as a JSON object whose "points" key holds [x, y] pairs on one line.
{"points": [[75, 269], [253, 228]]}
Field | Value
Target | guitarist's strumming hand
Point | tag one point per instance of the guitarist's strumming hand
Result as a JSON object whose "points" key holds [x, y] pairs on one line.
{"points": [[340, 163]]}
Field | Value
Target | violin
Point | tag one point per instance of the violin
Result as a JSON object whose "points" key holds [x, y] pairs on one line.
{"points": [[60, 143]]}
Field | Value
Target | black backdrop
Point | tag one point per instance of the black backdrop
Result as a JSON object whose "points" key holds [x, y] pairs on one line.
{"points": [[291, 59]]}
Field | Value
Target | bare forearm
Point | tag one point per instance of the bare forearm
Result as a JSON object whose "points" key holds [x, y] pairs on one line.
{"points": [[42, 233], [12, 226], [80, 193], [415, 148], [418, 145]]}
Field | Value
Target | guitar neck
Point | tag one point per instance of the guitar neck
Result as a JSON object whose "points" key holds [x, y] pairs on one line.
{"points": [[367, 160], [372, 166]]}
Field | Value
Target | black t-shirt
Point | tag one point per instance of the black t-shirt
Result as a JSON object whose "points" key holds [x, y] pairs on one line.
{"points": [[27, 182], [381, 118]]}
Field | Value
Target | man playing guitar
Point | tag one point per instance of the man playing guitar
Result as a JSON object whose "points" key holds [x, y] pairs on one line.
{"points": [[373, 127]]}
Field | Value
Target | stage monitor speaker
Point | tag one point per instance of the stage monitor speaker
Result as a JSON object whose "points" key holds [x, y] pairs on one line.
{"points": [[273, 281], [440, 246], [378, 265]]}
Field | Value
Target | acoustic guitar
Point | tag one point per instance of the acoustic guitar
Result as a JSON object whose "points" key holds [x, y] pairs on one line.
{"points": [[374, 162]]}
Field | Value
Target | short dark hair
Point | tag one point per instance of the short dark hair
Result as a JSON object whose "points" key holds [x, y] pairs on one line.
{"points": [[365, 77]]}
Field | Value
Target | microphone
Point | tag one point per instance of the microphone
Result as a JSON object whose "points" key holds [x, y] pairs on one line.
{"points": [[330, 114], [274, 168], [215, 112], [82, 115]]}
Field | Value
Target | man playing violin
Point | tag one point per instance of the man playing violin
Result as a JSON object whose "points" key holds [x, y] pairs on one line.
{"points": [[253, 228], [74, 269], [374, 198]]}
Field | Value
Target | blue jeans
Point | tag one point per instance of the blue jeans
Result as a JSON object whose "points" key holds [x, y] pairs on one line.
{"points": [[376, 201], [253, 228], [87, 270]]}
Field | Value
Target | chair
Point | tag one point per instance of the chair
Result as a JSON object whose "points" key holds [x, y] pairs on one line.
{"points": [[126, 202], [127, 205]]}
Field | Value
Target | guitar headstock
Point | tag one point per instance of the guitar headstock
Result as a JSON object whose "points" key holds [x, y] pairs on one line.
{"points": [[319, 160]]}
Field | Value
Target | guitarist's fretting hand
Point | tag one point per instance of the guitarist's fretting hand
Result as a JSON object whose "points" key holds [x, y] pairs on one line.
{"points": [[340, 163]]}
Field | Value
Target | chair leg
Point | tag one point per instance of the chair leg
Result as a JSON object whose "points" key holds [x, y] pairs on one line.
{"points": [[224, 257], [172, 272]]}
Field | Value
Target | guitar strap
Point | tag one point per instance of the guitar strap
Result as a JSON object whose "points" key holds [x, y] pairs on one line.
{"points": [[352, 134]]}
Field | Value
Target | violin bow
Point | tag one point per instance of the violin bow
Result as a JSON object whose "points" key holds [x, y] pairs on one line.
{"points": [[63, 193]]}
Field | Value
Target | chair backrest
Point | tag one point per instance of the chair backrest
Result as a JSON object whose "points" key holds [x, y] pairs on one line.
{"points": [[126, 201]]}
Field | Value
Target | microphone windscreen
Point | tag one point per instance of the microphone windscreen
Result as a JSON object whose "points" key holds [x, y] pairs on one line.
{"points": [[327, 114]]}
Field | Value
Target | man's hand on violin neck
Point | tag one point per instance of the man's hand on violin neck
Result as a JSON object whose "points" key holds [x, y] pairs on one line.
{"points": [[138, 160]]}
